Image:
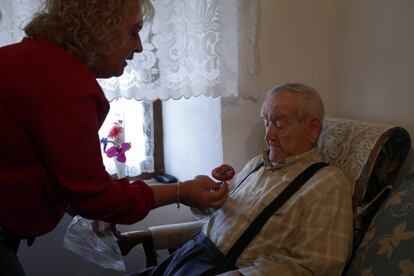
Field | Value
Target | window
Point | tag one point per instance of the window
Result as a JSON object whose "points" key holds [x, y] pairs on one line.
{"points": [[142, 121]]}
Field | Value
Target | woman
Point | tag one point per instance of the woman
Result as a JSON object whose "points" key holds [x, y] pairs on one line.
{"points": [[52, 107]]}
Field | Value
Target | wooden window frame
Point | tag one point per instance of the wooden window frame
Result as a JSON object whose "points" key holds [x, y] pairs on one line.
{"points": [[158, 144]]}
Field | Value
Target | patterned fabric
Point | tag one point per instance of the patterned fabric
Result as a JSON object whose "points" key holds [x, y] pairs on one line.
{"points": [[388, 245], [193, 48], [311, 234], [370, 155], [190, 48]]}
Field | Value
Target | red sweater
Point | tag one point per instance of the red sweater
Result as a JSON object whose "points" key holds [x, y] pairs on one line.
{"points": [[51, 108]]}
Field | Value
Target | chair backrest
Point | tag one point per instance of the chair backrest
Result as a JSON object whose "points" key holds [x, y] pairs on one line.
{"points": [[370, 154], [388, 245]]}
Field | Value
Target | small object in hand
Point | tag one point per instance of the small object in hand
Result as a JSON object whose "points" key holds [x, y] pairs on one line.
{"points": [[223, 173]]}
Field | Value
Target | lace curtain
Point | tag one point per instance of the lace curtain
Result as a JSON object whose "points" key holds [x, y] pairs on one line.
{"points": [[13, 16], [193, 47]]}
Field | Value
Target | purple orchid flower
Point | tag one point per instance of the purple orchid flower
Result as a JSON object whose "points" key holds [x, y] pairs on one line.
{"points": [[119, 152]]}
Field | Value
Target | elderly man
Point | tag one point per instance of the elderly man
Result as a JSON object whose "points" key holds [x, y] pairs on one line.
{"points": [[310, 234]]}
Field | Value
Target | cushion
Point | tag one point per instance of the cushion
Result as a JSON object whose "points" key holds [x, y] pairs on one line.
{"points": [[388, 245], [370, 154]]}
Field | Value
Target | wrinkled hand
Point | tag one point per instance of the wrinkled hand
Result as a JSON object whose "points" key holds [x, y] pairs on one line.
{"points": [[203, 192]]}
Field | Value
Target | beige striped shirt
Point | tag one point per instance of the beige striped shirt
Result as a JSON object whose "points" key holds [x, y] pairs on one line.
{"points": [[311, 234]]}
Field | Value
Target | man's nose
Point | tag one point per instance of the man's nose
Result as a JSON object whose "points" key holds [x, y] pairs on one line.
{"points": [[271, 133]]}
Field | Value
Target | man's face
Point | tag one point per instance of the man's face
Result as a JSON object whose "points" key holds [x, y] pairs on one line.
{"points": [[128, 41], [286, 135]]}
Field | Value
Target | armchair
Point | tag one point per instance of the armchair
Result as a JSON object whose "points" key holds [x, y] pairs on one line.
{"points": [[369, 154]]}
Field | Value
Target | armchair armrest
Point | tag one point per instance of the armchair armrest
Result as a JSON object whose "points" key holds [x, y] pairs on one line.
{"points": [[174, 235], [159, 237]]}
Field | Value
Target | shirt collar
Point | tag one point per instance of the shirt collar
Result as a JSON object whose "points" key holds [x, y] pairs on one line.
{"points": [[310, 154]]}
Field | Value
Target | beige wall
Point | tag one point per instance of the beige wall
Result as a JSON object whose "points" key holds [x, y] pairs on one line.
{"points": [[374, 63], [294, 45], [358, 53]]}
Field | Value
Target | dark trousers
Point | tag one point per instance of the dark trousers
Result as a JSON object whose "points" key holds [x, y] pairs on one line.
{"points": [[198, 256], [9, 262]]}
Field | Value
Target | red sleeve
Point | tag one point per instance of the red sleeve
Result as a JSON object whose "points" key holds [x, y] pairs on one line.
{"points": [[65, 130]]}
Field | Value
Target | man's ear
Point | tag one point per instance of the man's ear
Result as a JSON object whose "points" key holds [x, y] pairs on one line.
{"points": [[315, 130]]}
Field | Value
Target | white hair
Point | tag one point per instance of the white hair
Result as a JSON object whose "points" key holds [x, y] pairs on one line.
{"points": [[309, 101]]}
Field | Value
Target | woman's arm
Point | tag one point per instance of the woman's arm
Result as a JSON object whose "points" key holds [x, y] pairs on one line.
{"points": [[201, 192]]}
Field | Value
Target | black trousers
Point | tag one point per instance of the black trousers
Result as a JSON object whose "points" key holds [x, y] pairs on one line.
{"points": [[198, 256], [9, 262]]}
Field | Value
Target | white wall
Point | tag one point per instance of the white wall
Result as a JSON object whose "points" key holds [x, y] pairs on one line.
{"points": [[294, 42], [192, 136], [373, 68], [358, 54], [294, 45], [374, 63]]}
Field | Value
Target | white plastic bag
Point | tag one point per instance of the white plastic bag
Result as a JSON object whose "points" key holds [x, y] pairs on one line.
{"points": [[102, 250]]}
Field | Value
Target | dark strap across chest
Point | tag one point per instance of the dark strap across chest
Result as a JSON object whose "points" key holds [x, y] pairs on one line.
{"points": [[254, 228]]}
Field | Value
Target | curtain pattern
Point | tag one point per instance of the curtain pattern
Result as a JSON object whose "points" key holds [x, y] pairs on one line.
{"points": [[193, 47], [13, 16]]}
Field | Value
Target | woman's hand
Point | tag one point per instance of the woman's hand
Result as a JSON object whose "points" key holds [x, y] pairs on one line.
{"points": [[103, 229], [203, 192]]}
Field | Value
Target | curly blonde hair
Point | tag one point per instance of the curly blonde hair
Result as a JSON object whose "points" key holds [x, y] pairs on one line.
{"points": [[86, 28]]}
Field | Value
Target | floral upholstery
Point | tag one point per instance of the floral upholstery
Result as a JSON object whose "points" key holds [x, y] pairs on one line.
{"points": [[370, 155], [388, 245]]}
